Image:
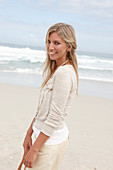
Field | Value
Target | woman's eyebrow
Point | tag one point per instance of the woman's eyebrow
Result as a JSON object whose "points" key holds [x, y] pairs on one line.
{"points": [[54, 40]]}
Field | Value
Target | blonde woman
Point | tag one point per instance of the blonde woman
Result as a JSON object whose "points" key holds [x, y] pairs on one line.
{"points": [[58, 89]]}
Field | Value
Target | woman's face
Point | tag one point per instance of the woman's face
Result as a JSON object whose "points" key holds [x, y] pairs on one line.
{"points": [[57, 48]]}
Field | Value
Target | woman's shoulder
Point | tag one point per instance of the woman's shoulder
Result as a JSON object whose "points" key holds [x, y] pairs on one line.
{"points": [[65, 69], [65, 72]]}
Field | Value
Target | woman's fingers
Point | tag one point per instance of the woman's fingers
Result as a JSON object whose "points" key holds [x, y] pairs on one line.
{"points": [[28, 164], [26, 145], [27, 142], [30, 143]]}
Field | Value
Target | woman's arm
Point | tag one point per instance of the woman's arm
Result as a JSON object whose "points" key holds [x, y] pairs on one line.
{"points": [[31, 156], [28, 141], [42, 138], [30, 130], [60, 94]]}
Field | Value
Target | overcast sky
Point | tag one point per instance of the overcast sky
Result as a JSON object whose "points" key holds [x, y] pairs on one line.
{"points": [[25, 22]]}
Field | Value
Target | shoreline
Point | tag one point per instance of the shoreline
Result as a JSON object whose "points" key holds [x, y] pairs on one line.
{"points": [[96, 88], [86, 87]]}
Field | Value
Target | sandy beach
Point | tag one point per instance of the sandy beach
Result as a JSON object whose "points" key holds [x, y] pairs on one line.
{"points": [[90, 122]]}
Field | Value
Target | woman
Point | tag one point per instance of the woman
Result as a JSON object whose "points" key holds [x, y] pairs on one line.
{"points": [[58, 89]]}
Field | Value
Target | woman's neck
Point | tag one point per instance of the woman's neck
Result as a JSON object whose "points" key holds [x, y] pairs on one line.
{"points": [[62, 63]]}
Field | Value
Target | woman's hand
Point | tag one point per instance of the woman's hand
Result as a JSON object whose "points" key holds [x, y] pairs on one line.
{"points": [[34, 149], [30, 158], [27, 141]]}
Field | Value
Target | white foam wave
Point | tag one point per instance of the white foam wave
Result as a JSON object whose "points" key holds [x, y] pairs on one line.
{"points": [[92, 59], [17, 54], [95, 61], [26, 70], [3, 62], [97, 79], [19, 60], [95, 68], [39, 72], [85, 56]]}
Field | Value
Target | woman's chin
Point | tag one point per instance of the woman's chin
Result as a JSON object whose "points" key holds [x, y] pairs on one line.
{"points": [[52, 58]]}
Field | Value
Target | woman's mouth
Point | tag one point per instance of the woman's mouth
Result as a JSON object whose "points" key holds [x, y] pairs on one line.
{"points": [[52, 53]]}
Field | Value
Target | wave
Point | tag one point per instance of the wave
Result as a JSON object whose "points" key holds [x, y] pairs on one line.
{"points": [[96, 79], [26, 60], [94, 59], [3, 62], [95, 68], [34, 56], [18, 54], [26, 70], [39, 72]]}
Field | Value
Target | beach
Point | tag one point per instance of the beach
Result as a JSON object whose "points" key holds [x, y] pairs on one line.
{"points": [[90, 123], [37, 40]]}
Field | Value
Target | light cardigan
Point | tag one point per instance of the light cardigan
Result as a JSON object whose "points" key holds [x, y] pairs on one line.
{"points": [[55, 100]]}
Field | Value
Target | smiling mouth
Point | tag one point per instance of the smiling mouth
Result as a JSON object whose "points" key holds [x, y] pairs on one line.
{"points": [[52, 53]]}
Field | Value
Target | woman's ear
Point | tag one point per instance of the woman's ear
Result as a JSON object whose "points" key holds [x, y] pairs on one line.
{"points": [[68, 48]]}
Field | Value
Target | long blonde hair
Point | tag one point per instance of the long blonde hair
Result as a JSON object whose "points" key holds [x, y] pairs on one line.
{"points": [[67, 33]]}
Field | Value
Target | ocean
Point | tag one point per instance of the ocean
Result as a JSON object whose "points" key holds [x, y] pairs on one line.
{"points": [[23, 65]]}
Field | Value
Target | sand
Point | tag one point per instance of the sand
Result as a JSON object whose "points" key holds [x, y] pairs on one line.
{"points": [[90, 122]]}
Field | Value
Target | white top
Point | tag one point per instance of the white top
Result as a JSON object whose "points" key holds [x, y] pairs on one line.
{"points": [[55, 101], [57, 137]]}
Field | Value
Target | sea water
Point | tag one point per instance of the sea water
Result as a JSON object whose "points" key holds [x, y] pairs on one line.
{"points": [[23, 66]]}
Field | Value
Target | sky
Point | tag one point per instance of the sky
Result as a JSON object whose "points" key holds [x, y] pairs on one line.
{"points": [[25, 22]]}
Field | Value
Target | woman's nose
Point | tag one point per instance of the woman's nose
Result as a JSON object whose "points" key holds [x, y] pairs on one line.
{"points": [[51, 46]]}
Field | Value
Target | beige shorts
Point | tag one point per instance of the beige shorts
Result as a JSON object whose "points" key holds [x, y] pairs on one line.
{"points": [[50, 156]]}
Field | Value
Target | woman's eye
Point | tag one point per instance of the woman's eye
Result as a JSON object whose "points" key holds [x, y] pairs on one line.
{"points": [[49, 42], [57, 43]]}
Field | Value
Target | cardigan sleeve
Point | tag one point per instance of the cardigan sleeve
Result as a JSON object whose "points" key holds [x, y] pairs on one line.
{"points": [[60, 95]]}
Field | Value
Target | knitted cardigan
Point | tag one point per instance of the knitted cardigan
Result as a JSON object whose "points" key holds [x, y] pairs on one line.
{"points": [[55, 100]]}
